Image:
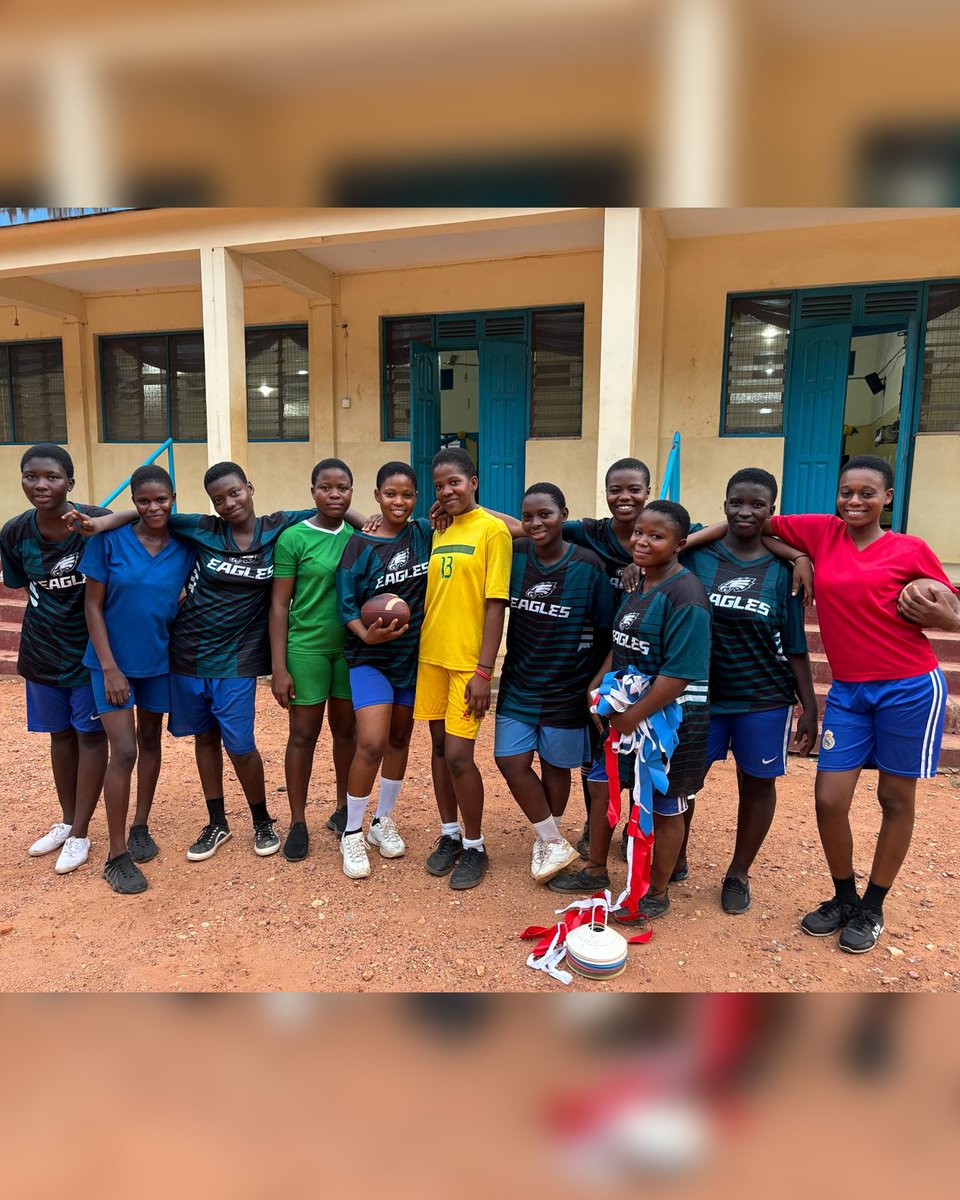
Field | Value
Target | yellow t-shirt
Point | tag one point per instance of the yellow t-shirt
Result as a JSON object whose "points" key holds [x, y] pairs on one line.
{"points": [[469, 565]]}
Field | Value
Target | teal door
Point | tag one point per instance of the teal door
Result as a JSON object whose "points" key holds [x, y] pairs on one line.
{"points": [[424, 419], [814, 418], [504, 421]]}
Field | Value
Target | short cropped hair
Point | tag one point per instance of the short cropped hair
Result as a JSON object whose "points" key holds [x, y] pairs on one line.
{"points": [[628, 464], [330, 464], [755, 475], [396, 468], [869, 462], [547, 489], [673, 512], [49, 450], [222, 470], [150, 474], [456, 458]]}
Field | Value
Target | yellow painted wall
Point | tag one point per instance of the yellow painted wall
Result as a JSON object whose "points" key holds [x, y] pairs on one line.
{"points": [[702, 271], [933, 493]]}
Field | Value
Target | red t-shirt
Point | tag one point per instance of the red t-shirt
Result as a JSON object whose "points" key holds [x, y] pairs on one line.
{"points": [[863, 635]]}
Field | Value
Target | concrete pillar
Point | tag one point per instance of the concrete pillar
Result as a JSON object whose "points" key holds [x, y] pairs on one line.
{"points": [[81, 436], [221, 282], [619, 339], [323, 397]]}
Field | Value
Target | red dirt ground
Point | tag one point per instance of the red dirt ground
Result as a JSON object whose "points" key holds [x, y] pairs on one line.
{"points": [[240, 923]]}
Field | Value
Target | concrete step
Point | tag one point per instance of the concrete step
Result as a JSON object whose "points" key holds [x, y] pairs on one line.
{"points": [[8, 662], [12, 610], [9, 635], [946, 646], [11, 593]]}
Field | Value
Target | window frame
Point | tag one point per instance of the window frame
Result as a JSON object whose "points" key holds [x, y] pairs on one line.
{"points": [[14, 440], [794, 294], [166, 334], [279, 326]]}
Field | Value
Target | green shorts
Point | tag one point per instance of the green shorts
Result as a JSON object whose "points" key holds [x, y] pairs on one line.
{"points": [[317, 677]]}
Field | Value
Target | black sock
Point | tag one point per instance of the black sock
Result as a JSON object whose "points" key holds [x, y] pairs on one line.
{"points": [[846, 889], [586, 794], [259, 812], [873, 898], [216, 811]]}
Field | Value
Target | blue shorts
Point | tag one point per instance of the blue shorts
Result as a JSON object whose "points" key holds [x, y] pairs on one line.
{"points": [[368, 686], [759, 740], [151, 692], [893, 724], [664, 806], [197, 705], [563, 748], [53, 709]]}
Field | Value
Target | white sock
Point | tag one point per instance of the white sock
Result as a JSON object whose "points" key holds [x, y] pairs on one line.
{"points": [[356, 807], [450, 829], [473, 843], [548, 830], [387, 797]]}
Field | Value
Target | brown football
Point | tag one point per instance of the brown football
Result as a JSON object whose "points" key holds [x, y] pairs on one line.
{"points": [[924, 586], [388, 608]]}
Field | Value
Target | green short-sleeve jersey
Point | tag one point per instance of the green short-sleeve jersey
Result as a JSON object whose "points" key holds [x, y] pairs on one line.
{"points": [[310, 556]]}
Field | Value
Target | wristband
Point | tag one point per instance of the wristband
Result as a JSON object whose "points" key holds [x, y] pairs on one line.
{"points": [[799, 556], [483, 675]]}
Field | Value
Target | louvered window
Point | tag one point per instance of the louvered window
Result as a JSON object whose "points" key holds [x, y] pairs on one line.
{"points": [[940, 391], [278, 385], [556, 394], [835, 307], [756, 365], [397, 336], [32, 404], [153, 388]]}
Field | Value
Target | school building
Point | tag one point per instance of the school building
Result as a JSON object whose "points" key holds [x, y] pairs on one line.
{"points": [[549, 341]]}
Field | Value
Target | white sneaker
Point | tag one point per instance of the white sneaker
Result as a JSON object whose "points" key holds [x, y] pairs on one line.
{"points": [[353, 851], [50, 841], [384, 836], [74, 854], [550, 858]]}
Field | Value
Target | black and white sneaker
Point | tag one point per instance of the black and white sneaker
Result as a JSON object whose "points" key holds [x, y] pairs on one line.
{"points": [[861, 932], [211, 838], [265, 840], [830, 916], [735, 895]]}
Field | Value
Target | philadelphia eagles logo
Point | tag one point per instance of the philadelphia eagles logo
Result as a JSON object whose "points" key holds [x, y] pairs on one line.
{"points": [[740, 584], [399, 560], [65, 566], [540, 591], [628, 619]]}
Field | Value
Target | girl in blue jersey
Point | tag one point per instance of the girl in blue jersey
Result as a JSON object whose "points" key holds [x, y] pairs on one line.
{"points": [[135, 575]]}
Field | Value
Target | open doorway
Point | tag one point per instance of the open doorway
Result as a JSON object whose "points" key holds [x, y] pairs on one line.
{"points": [[460, 400], [871, 417]]}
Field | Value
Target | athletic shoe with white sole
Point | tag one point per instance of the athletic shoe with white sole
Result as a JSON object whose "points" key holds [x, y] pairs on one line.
{"points": [[50, 841], [211, 838], [550, 858], [861, 932], [353, 851], [383, 834], [827, 918], [265, 840], [74, 854]]}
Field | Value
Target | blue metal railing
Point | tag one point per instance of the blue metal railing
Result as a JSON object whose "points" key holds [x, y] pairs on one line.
{"points": [[168, 446], [670, 488]]}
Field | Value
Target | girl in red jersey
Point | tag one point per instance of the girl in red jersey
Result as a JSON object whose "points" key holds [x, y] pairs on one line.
{"points": [[887, 704]]}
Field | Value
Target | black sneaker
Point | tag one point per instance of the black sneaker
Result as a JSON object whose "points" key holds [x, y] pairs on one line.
{"points": [[734, 895], [470, 869], [211, 837], [579, 881], [681, 874], [141, 845], [265, 840], [297, 845], [445, 854], [861, 932], [583, 846], [650, 907], [832, 915], [337, 821], [124, 876]]}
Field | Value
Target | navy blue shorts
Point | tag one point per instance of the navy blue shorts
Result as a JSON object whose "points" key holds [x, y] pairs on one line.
{"points": [[368, 686], [197, 705], [893, 724], [53, 709], [150, 692], [759, 740]]}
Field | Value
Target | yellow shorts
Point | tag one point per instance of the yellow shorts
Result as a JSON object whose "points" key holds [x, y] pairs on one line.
{"points": [[440, 698]]}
